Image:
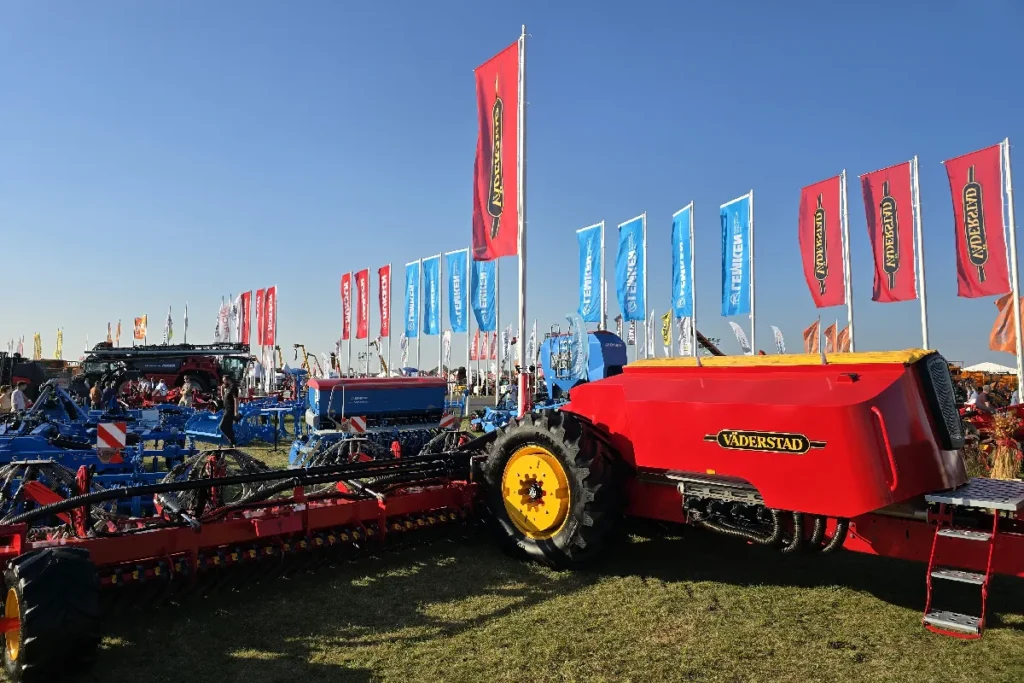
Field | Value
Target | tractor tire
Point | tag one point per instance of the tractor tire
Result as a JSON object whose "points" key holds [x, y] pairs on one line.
{"points": [[202, 383], [54, 594], [565, 524]]}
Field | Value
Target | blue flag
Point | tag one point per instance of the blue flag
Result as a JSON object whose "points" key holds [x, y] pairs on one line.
{"points": [[432, 295], [458, 309], [412, 299], [682, 252], [736, 256], [485, 281], [591, 272], [629, 269]]}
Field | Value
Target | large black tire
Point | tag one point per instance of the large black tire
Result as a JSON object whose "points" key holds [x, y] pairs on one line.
{"points": [[55, 595], [590, 469]]}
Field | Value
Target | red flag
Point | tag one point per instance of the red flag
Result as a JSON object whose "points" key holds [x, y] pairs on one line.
{"points": [[495, 192], [346, 306], [494, 346], [976, 183], [474, 350], [485, 344], [261, 323], [362, 303], [384, 297], [1003, 337], [821, 242], [843, 340], [270, 315], [244, 318], [811, 334], [830, 337], [888, 205]]}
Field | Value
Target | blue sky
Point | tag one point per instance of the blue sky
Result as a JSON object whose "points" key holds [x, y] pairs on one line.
{"points": [[155, 153]]}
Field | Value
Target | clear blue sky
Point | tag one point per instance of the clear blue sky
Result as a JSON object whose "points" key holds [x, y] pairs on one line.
{"points": [[153, 153]]}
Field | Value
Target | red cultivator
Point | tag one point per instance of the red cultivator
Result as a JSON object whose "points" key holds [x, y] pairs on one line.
{"points": [[863, 453]]}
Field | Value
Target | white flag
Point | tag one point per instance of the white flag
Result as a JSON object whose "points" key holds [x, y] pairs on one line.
{"points": [[685, 336], [649, 336], [447, 340], [741, 337], [168, 327], [780, 343], [185, 326], [403, 343], [631, 337]]}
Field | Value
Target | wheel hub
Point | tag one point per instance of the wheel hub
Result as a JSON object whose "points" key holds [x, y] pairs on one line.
{"points": [[12, 610], [535, 491]]}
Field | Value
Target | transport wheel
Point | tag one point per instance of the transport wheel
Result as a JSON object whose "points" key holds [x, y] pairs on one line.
{"points": [[54, 596], [552, 488]]}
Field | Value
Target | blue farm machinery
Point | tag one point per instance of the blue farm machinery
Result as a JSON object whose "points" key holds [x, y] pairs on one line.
{"points": [[262, 419], [374, 418]]}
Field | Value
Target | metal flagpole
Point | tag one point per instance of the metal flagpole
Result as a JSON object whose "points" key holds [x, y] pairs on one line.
{"points": [[390, 321], [524, 392], [368, 290], [920, 256], [1013, 260], [497, 329], [753, 326], [647, 324], [468, 284], [693, 289], [348, 321], [440, 315], [419, 319], [847, 275], [604, 287]]}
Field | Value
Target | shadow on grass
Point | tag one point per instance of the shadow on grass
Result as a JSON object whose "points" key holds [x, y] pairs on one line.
{"points": [[352, 621]]}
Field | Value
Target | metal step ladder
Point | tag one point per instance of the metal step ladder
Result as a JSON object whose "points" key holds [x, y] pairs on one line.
{"points": [[991, 496]]}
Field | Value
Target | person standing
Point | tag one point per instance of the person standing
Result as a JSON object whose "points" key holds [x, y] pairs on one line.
{"points": [[18, 402], [5, 399], [229, 402], [96, 397]]}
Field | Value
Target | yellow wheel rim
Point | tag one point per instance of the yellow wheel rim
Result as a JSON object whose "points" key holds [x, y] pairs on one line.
{"points": [[535, 490], [12, 610]]}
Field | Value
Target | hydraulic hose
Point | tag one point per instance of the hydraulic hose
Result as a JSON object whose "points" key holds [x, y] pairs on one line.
{"points": [[798, 534], [771, 539], [817, 533], [836, 542]]}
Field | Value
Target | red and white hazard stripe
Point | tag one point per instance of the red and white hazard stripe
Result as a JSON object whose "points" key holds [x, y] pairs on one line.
{"points": [[358, 425], [112, 435], [449, 421]]}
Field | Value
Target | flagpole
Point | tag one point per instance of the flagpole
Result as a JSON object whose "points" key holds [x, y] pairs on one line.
{"points": [[693, 288], [440, 315], [369, 289], [348, 321], [604, 288], [468, 284], [753, 326], [647, 325], [419, 319], [497, 327], [1013, 261], [391, 274], [524, 393], [847, 275], [920, 256]]}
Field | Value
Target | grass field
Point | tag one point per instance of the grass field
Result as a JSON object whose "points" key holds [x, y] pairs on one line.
{"points": [[692, 608]]}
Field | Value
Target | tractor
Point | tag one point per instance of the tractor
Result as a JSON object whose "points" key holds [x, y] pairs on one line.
{"points": [[861, 452]]}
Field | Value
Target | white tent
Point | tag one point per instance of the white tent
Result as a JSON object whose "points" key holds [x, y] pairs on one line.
{"points": [[991, 368]]}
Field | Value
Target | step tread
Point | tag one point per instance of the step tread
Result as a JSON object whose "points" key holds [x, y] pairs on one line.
{"points": [[965, 534], [961, 575], [953, 621]]}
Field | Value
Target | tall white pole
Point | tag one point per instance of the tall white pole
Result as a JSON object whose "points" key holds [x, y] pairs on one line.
{"points": [[497, 328], [647, 322], [524, 392], [604, 288], [390, 321], [419, 319], [440, 315], [753, 326], [1013, 261], [847, 275], [693, 288], [919, 239]]}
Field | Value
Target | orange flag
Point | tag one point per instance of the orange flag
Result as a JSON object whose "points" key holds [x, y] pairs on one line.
{"points": [[830, 338], [1002, 336], [843, 340], [811, 337]]}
